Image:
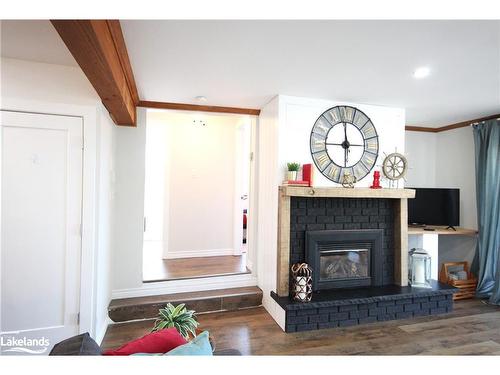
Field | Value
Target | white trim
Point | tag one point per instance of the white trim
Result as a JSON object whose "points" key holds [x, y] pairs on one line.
{"points": [[99, 336], [198, 253], [189, 285], [89, 115], [275, 310]]}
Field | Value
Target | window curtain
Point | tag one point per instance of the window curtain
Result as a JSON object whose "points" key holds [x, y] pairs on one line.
{"points": [[487, 151]]}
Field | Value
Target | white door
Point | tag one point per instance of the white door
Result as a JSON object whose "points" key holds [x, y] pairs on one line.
{"points": [[41, 182]]}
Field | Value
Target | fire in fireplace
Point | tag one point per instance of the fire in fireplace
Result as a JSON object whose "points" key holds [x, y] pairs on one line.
{"points": [[345, 258]]}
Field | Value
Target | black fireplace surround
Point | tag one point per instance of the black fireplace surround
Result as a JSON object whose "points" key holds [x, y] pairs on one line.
{"points": [[362, 290], [345, 258]]}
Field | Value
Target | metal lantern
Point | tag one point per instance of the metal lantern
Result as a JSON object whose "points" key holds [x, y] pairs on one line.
{"points": [[419, 268], [301, 282]]}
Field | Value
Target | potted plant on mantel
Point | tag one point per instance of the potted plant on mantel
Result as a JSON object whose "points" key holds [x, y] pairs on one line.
{"points": [[293, 169]]}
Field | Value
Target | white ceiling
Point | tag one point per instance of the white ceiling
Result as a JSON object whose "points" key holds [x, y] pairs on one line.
{"points": [[246, 63], [34, 40]]}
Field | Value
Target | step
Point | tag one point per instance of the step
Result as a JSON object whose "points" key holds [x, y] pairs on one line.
{"points": [[125, 309]]}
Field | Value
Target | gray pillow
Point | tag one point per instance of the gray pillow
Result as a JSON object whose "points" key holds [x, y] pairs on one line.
{"points": [[77, 345]]}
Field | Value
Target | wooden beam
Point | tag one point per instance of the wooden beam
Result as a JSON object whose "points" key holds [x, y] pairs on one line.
{"points": [[117, 34], [467, 123], [421, 129], [201, 108], [98, 47], [457, 125]]}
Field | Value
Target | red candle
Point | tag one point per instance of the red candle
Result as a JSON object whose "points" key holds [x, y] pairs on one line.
{"points": [[376, 181]]}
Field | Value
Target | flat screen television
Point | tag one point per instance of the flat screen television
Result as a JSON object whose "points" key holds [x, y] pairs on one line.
{"points": [[432, 206]]}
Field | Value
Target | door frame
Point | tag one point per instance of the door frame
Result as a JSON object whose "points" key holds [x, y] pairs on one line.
{"points": [[88, 114]]}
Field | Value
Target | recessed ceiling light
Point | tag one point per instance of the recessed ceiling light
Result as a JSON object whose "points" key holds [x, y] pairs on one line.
{"points": [[421, 72], [201, 98]]}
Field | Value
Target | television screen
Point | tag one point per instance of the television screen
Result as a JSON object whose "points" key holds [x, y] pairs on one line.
{"points": [[435, 207]]}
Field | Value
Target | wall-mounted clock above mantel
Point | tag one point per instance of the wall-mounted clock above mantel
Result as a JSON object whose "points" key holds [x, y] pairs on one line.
{"points": [[344, 140]]}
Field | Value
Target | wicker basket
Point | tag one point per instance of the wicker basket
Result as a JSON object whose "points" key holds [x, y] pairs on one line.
{"points": [[467, 288]]}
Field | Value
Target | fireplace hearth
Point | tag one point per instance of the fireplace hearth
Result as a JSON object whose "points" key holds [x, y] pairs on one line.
{"points": [[345, 258]]}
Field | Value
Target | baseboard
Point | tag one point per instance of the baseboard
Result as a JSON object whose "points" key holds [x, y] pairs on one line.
{"points": [[198, 253], [188, 285]]}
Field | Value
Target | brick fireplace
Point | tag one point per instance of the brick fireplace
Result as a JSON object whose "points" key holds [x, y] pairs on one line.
{"points": [[355, 240]]}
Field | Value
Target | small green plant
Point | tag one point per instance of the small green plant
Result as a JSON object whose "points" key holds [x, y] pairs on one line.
{"points": [[293, 167], [178, 317]]}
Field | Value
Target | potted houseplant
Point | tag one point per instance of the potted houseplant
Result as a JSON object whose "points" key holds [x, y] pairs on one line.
{"points": [[293, 168], [178, 317]]}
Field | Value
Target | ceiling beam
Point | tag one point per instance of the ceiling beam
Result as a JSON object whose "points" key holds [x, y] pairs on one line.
{"points": [[200, 108], [457, 125], [99, 48]]}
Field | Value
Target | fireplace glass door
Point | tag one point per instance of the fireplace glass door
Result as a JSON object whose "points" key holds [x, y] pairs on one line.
{"points": [[344, 264]]}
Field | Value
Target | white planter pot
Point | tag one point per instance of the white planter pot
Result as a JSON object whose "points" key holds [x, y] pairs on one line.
{"points": [[292, 175]]}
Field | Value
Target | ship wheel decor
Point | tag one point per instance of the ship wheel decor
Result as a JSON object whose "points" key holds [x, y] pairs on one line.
{"points": [[344, 141], [394, 168]]}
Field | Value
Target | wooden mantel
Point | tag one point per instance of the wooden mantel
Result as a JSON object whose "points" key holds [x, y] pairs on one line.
{"points": [[329, 192], [401, 197]]}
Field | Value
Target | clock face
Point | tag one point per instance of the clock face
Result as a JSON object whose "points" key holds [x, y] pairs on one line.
{"points": [[344, 141]]}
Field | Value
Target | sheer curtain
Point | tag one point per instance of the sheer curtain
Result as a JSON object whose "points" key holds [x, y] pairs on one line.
{"points": [[487, 150]]}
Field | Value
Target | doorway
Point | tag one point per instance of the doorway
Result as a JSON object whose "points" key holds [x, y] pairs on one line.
{"points": [[40, 223], [197, 195]]}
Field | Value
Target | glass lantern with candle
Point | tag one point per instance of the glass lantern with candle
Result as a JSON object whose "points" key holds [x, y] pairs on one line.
{"points": [[420, 268]]}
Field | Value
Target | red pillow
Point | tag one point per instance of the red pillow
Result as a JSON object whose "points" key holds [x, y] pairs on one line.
{"points": [[161, 341]]}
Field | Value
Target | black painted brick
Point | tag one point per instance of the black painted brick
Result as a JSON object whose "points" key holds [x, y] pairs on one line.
{"points": [[439, 310], [306, 327], [385, 303], [328, 325], [377, 311], [358, 314], [348, 308], [428, 305], [327, 310], [412, 307], [306, 219], [348, 323], [404, 315], [343, 219], [324, 219], [339, 316], [307, 312], [318, 318], [403, 301], [384, 317], [297, 320], [316, 212], [420, 299], [437, 298], [444, 303], [395, 309]]}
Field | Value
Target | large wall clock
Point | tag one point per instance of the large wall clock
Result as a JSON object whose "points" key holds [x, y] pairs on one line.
{"points": [[344, 140]]}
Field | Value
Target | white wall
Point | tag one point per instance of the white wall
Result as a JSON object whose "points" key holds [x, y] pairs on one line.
{"points": [[421, 152], [129, 204], [285, 125], [65, 90], [297, 116], [446, 160]]}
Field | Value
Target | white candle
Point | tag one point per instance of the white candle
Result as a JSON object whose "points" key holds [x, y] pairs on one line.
{"points": [[419, 272]]}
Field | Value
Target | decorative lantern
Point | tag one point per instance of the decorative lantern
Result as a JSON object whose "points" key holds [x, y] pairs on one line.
{"points": [[419, 268], [302, 282]]}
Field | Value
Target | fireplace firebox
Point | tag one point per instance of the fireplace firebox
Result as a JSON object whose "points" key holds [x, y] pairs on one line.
{"points": [[345, 258]]}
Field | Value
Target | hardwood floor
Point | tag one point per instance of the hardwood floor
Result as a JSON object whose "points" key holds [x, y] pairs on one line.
{"points": [[157, 269], [472, 328]]}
